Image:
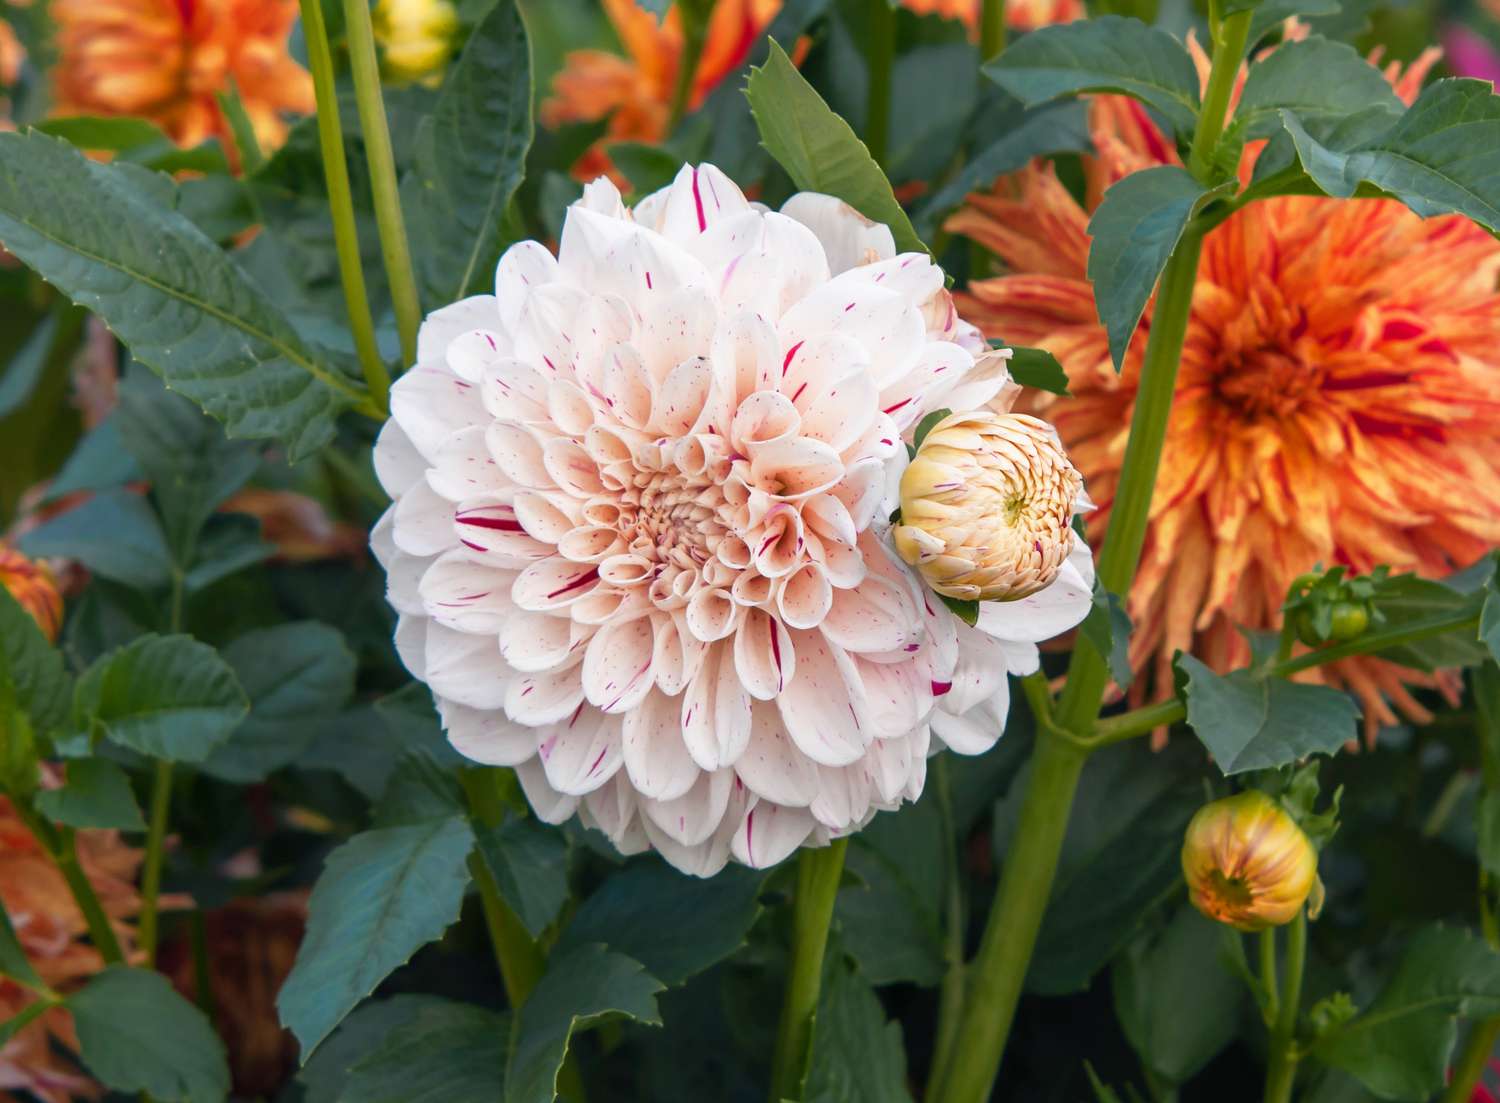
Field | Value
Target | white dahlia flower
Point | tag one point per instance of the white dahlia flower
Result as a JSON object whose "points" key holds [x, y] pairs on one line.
{"points": [[639, 545]]}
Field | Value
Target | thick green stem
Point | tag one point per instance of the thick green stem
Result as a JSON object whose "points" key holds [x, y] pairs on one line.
{"points": [[516, 953], [881, 26], [394, 246], [156, 835], [1229, 48], [100, 930], [1473, 1059], [341, 206], [999, 971], [991, 28], [1283, 1068], [951, 995], [818, 873], [1271, 1010]]}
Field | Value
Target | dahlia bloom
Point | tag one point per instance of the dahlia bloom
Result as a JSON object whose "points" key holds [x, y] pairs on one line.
{"points": [[1020, 15], [1336, 403], [166, 60], [34, 588], [1247, 863], [635, 91], [639, 545]]}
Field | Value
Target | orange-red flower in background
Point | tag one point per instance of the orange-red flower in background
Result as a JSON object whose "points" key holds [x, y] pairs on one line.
{"points": [[166, 60], [1336, 404], [635, 92], [1020, 15], [34, 588]]}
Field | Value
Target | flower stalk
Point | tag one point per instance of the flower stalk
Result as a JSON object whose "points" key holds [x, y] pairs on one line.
{"points": [[818, 873], [1283, 1068], [341, 206], [156, 835], [991, 28], [882, 59], [694, 15], [394, 246]]}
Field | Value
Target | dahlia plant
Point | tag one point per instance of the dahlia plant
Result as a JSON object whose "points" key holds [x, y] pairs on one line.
{"points": [[538, 541]]}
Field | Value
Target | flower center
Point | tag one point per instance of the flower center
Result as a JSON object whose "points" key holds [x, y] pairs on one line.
{"points": [[1265, 382]]}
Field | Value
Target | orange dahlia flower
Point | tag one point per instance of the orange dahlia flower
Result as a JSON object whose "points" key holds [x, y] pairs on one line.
{"points": [[166, 60], [51, 928], [1020, 15], [635, 92], [34, 587], [1336, 403]]}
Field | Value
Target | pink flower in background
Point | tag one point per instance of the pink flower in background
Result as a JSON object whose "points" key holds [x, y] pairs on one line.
{"points": [[1469, 53]]}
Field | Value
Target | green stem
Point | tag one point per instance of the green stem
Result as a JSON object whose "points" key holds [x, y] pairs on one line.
{"points": [[341, 205], [1229, 48], [999, 971], [881, 26], [516, 952], [694, 18], [100, 930], [1479, 1046], [156, 834], [991, 28], [818, 873], [951, 995], [1283, 1068], [394, 246], [1271, 1010]]}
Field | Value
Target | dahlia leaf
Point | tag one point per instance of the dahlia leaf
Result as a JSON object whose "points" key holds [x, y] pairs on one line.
{"points": [[325, 1073], [1489, 621], [137, 1034], [579, 988], [1317, 80], [1134, 231], [919, 434], [1108, 54], [97, 794], [446, 1053], [99, 462], [1037, 368], [185, 309], [419, 791], [1250, 723], [889, 909], [470, 159], [1406, 601], [1108, 628], [1441, 157], [115, 534], [1271, 14], [636, 912], [230, 542], [383, 895], [856, 1052], [964, 610], [167, 697], [297, 676], [529, 862], [819, 150], [1399, 1047], [32, 676]]}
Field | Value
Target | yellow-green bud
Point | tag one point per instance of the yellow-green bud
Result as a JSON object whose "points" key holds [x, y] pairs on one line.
{"points": [[416, 37], [987, 506], [1247, 863]]}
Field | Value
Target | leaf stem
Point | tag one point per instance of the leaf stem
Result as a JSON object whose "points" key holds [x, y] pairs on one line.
{"points": [[991, 29], [63, 848], [341, 206], [394, 245], [881, 26], [156, 834], [1472, 1060], [818, 872], [1283, 1068]]}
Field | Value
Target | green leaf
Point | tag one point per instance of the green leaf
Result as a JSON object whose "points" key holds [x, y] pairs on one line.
{"points": [[1135, 230], [447, 1053], [115, 534], [326, 1072], [638, 911], [648, 168], [966, 611], [856, 1053], [1399, 1047], [182, 306], [926, 425], [1317, 80], [579, 988], [136, 1034], [32, 676], [1037, 368], [1271, 14], [1108, 54], [1250, 723], [1407, 601], [100, 462], [470, 158], [21, 376], [419, 792], [13, 961], [104, 133], [529, 862], [1441, 157], [97, 794], [1489, 621], [164, 696], [819, 150], [229, 543], [383, 895], [298, 676], [1157, 978], [1108, 628], [243, 130], [23, 1018]]}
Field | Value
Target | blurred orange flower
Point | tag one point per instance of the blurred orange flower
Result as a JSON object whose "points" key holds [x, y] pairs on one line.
{"points": [[1336, 404], [635, 92], [298, 526], [166, 60], [34, 587], [1020, 15]]}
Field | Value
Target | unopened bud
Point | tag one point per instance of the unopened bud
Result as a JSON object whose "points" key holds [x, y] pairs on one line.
{"points": [[416, 37], [987, 505], [1247, 863]]}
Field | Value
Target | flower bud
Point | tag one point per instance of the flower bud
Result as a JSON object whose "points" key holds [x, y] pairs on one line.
{"points": [[1247, 863], [987, 505], [33, 586], [416, 37]]}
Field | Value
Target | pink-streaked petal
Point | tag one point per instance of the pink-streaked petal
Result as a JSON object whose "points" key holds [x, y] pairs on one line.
{"points": [[617, 664], [764, 655], [823, 705], [582, 752], [463, 467], [489, 737], [460, 593], [549, 805], [464, 668], [537, 700], [432, 404], [439, 329], [398, 464], [553, 583], [771, 766], [693, 817], [716, 712], [656, 757], [770, 833], [525, 266]]}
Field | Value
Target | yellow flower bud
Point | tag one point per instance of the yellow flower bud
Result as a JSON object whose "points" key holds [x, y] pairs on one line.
{"points": [[416, 37], [1247, 863], [33, 586], [987, 505]]}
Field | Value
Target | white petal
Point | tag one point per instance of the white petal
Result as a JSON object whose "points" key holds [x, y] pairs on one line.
{"points": [[1046, 613], [440, 327], [656, 757], [533, 642], [432, 404], [823, 704], [693, 817], [804, 597], [771, 766], [490, 737], [411, 644], [464, 668], [848, 237], [398, 464], [581, 753], [617, 665], [770, 833], [549, 805], [524, 266], [716, 712], [468, 596], [463, 467], [843, 800], [423, 522], [876, 616], [549, 698]]}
